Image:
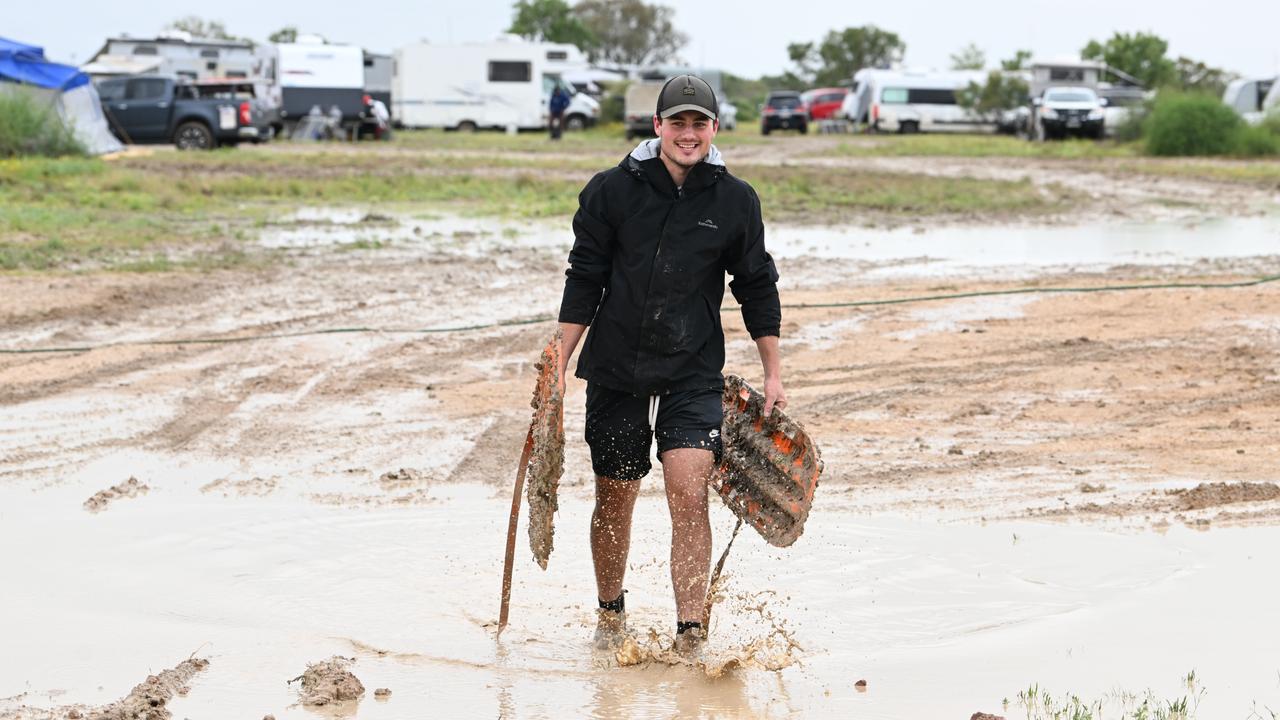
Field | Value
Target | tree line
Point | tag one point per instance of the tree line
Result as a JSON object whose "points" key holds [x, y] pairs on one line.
{"points": [[637, 33]]}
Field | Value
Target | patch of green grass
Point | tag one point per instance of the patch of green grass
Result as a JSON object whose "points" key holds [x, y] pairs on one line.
{"points": [[824, 194], [1040, 704], [1260, 173], [946, 145]]}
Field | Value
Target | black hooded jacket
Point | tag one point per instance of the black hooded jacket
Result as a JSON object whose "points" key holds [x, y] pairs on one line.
{"points": [[647, 273]]}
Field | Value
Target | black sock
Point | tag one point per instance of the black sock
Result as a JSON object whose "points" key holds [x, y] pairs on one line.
{"points": [[683, 626], [618, 605]]}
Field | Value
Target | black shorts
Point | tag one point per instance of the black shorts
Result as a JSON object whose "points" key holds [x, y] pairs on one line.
{"points": [[619, 434]]}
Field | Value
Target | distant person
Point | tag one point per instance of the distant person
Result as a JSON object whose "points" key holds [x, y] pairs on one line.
{"points": [[375, 113], [383, 119], [653, 239], [559, 103]]}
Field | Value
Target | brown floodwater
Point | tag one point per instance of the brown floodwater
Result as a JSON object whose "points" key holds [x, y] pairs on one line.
{"points": [[940, 620]]}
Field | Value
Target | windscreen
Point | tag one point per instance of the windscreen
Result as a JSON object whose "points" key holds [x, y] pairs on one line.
{"points": [[1071, 96]]}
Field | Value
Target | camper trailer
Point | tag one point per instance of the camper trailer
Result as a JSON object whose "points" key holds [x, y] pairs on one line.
{"points": [[178, 53], [313, 73], [501, 84]]}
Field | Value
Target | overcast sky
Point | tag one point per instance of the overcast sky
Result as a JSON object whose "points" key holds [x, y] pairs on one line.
{"points": [[746, 37]]}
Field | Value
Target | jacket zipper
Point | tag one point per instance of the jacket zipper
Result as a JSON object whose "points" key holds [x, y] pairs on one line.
{"points": [[635, 371]]}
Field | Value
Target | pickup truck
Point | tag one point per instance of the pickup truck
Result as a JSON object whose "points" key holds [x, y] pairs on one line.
{"points": [[160, 109]]}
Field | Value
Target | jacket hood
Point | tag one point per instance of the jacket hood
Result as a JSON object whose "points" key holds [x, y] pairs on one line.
{"points": [[644, 164], [648, 150]]}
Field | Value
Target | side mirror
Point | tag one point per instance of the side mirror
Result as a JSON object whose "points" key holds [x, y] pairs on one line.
{"points": [[1103, 102]]}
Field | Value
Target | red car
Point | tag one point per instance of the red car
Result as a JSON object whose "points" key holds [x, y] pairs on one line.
{"points": [[822, 103]]}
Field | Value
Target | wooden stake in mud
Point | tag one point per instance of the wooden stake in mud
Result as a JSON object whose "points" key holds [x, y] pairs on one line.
{"points": [[511, 531]]}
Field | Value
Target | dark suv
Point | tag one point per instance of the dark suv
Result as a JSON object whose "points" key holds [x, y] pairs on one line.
{"points": [[783, 110]]}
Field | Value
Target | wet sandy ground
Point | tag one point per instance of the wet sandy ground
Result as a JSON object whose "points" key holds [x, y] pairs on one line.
{"points": [[1074, 490]]}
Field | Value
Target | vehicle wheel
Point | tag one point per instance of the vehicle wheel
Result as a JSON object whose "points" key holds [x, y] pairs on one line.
{"points": [[764, 129], [575, 123], [466, 126], [630, 135], [909, 127], [804, 129], [193, 136]]}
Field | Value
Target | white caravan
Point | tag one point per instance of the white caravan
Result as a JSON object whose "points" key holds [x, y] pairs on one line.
{"points": [[503, 84], [178, 53], [313, 73]]}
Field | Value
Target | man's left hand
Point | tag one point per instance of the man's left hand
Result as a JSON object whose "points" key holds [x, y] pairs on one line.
{"points": [[774, 396]]}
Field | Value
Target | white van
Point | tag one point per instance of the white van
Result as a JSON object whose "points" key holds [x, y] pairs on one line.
{"points": [[923, 102], [502, 84]]}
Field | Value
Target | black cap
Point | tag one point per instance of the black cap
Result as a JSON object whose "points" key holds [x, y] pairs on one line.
{"points": [[687, 92]]}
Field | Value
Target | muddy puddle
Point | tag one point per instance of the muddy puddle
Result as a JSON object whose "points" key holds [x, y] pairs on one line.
{"points": [[939, 620], [936, 250]]}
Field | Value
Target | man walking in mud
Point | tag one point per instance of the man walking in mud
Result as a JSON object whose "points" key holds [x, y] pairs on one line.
{"points": [[654, 238]]}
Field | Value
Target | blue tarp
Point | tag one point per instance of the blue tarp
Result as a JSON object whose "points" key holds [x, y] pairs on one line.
{"points": [[24, 63]]}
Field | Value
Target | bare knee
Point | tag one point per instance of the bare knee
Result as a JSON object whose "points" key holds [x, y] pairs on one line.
{"points": [[615, 499]]}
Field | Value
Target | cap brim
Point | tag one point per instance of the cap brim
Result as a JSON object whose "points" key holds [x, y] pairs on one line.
{"points": [[681, 108]]}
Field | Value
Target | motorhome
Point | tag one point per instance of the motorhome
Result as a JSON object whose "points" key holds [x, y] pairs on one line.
{"points": [[313, 73], [180, 54], [1249, 97], [505, 83], [909, 102]]}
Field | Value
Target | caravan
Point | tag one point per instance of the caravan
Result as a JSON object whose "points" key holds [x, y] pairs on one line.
{"points": [[501, 84], [312, 73]]}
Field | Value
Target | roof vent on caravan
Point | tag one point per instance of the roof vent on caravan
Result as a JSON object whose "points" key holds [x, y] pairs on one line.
{"points": [[311, 40], [182, 35]]}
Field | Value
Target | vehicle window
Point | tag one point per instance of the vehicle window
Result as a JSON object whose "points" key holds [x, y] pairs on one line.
{"points": [[557, 55], [830, 98], [237, 74], [510, 71], [1066, 74], [892, 96], [209, 54], [145, 89], [184, 92], [1070, 97], [784, 101], [931, 96], [111, 90], [145, 50]]}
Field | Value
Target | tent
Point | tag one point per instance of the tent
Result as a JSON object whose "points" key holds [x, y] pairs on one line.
{"points": [[65, 88]]}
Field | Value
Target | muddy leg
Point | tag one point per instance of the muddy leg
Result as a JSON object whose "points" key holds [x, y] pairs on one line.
{"points": [[686, 471], [611, 533]]}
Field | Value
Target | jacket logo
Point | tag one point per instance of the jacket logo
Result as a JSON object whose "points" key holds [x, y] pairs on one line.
{"points": [[708, 224]]}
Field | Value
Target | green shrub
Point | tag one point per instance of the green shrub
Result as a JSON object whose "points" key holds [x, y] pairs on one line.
{"points": [[1134, 125], [30, 127], [1256, 141], [1182, 124]]}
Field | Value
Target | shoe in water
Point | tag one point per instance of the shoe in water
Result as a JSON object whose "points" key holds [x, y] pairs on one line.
{"points": [[611, 628], [689, 643]]}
